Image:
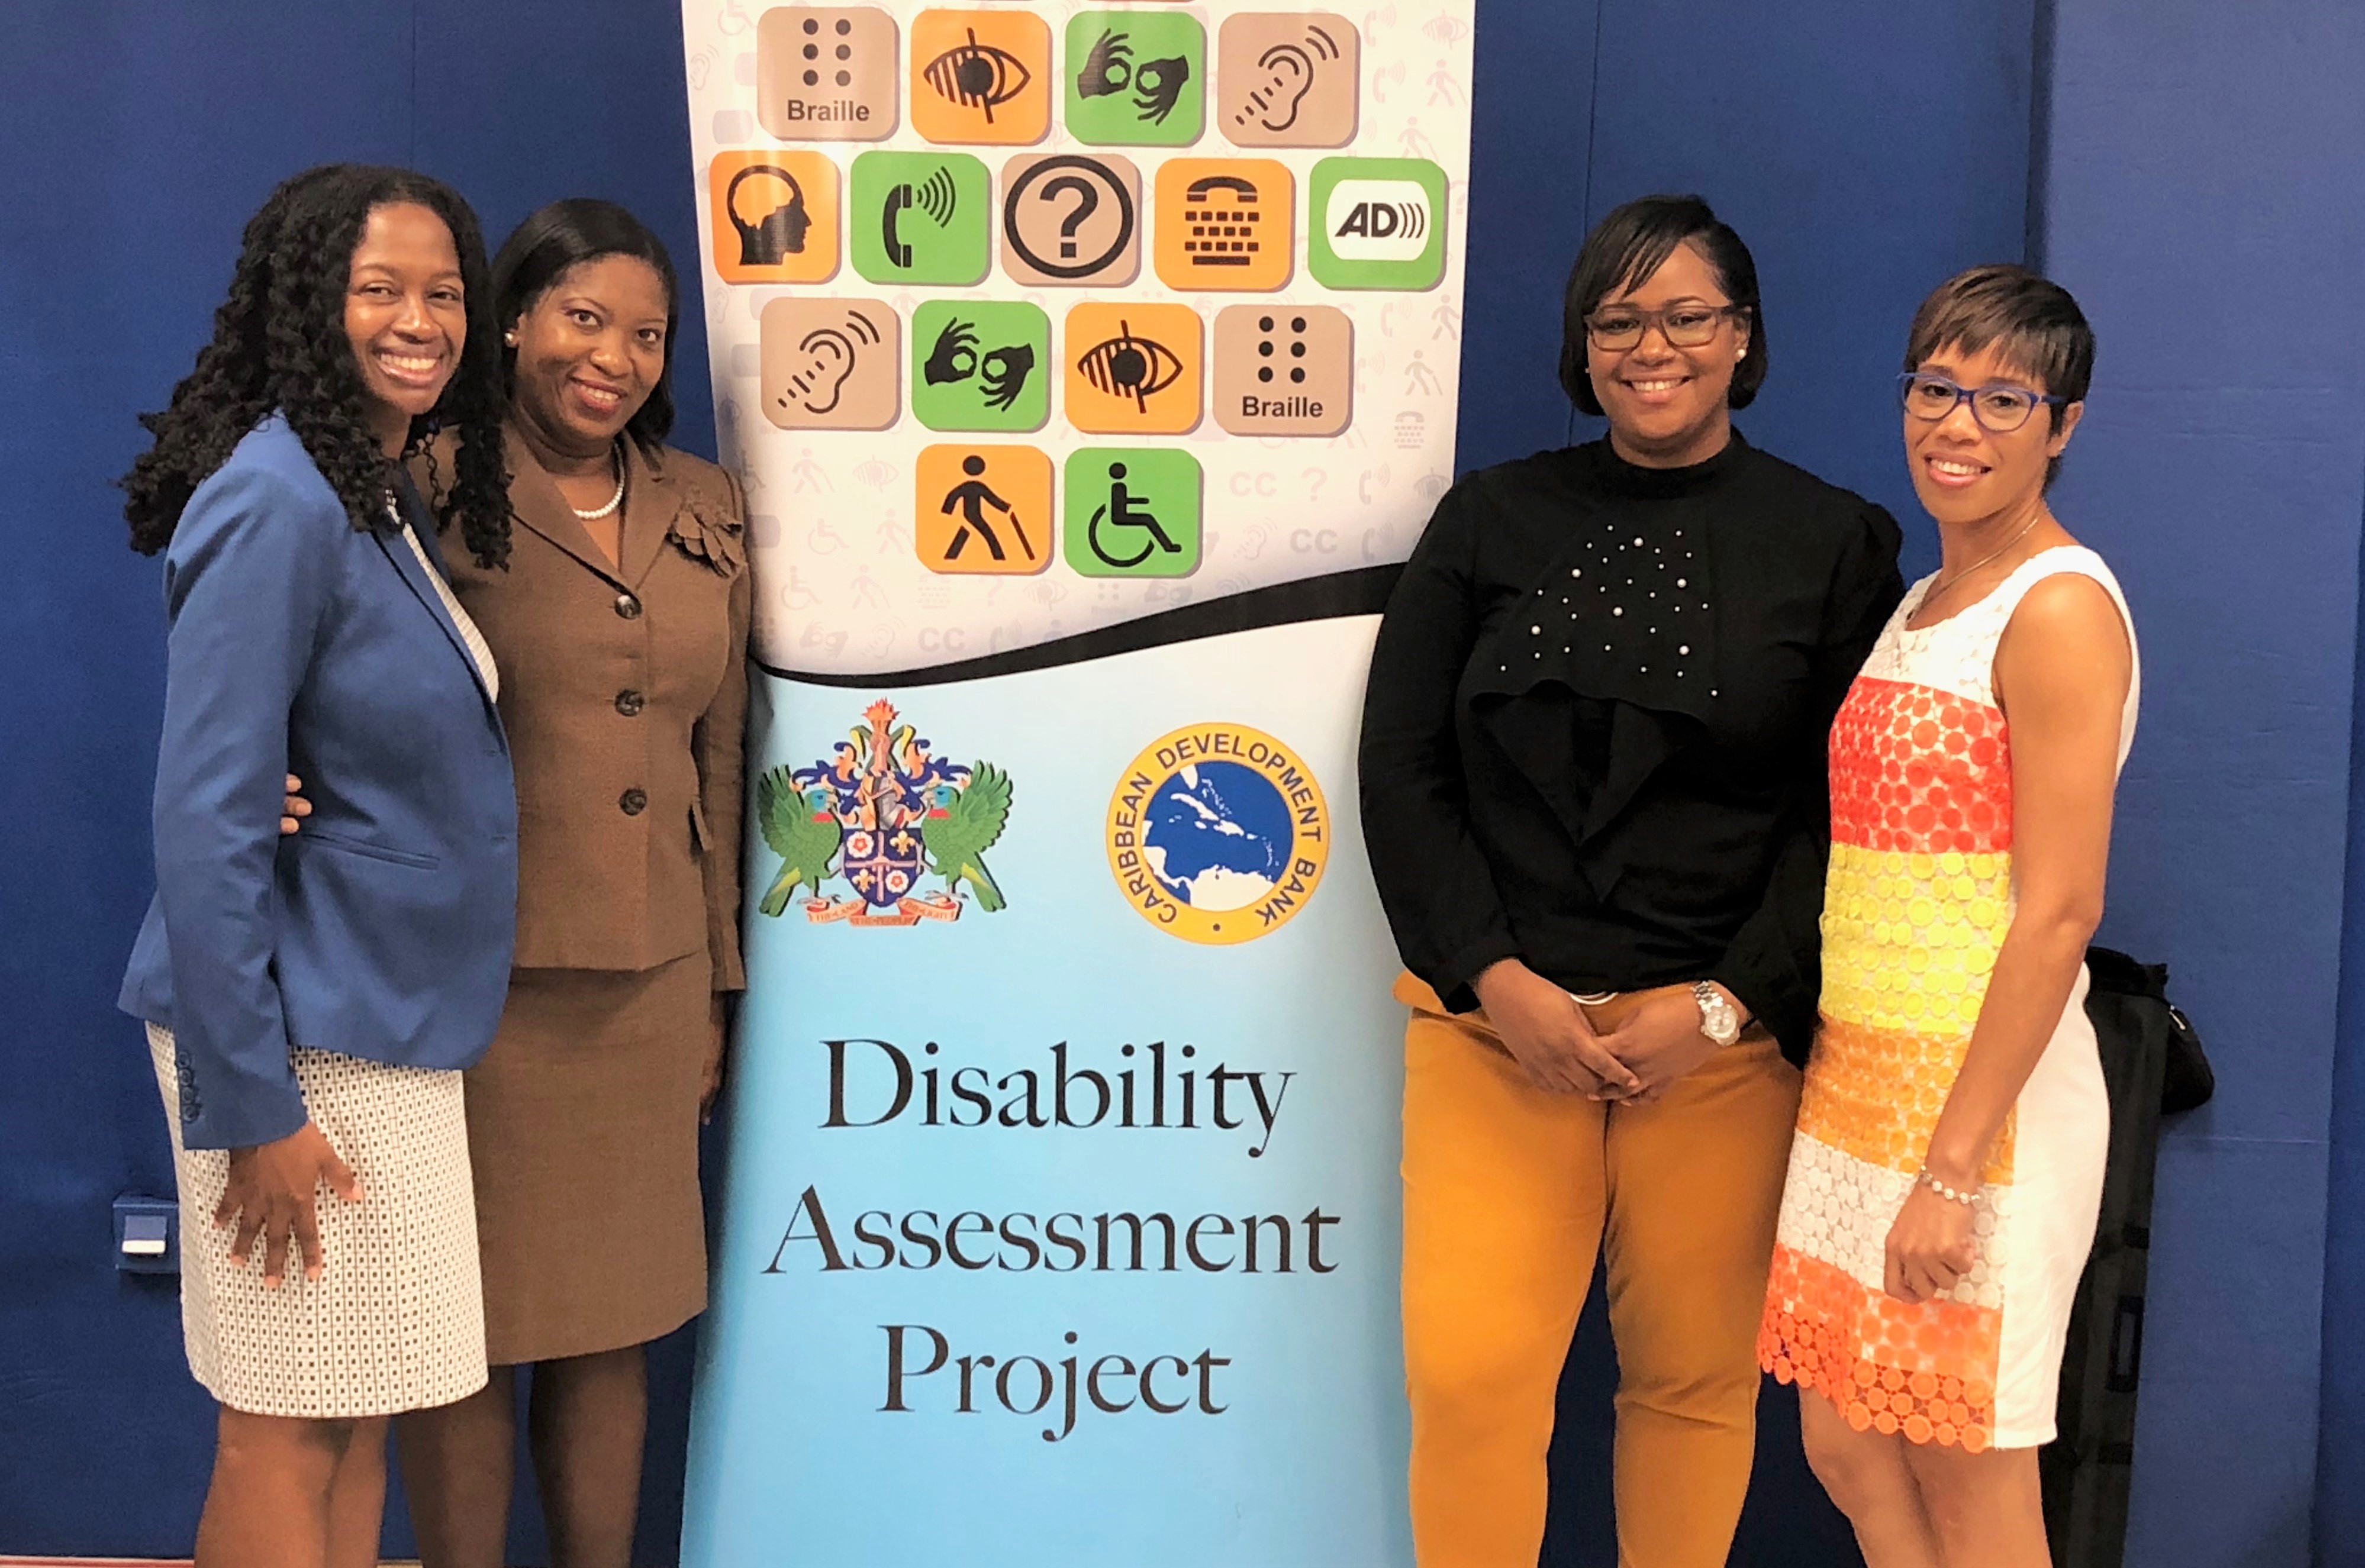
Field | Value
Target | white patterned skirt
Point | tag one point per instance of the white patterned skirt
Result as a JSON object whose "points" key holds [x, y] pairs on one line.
{"points": [[396, 1321]]}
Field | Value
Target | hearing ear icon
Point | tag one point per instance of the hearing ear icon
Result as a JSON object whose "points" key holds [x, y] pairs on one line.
{"points": [[779, 233]]}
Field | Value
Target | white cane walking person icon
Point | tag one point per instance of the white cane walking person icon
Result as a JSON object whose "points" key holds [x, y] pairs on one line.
{"points": [[973, 495]]}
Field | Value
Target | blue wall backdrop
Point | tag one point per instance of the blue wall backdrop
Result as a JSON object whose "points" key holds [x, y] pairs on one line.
{"points": [[2196, 180]]}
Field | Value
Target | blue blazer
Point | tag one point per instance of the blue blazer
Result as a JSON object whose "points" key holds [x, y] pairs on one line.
{"points": [[383, 929]]}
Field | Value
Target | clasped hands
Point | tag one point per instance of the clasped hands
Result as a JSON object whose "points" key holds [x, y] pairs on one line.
{"points": [[1562, 1049]]}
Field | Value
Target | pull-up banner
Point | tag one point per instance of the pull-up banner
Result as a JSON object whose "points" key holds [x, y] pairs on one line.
{"points": [[1089, 369]]}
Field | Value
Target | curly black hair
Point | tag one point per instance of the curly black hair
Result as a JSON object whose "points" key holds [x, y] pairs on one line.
{"points": [[279, 343]]}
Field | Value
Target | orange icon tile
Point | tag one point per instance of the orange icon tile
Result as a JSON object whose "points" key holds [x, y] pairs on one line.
{"points": [[1133, 368], [982, 76], [1224, 224], [983, 510], [775, 216]]}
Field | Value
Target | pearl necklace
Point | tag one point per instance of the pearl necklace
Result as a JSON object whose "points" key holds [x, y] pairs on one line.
{"points": [[613, 501]]}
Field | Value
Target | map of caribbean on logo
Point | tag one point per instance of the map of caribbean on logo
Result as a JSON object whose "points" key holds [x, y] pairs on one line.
{"points": [[878, 815]]}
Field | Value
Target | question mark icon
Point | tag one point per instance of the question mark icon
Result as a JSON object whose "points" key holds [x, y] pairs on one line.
{"points": [[1087, 203], [1314, 478]]}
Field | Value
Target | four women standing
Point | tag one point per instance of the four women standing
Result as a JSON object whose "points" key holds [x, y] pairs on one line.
{"points": [[1594, 791]]}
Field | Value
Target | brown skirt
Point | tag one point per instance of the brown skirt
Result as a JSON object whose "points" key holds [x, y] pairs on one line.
{"points": [[583, 1133]]}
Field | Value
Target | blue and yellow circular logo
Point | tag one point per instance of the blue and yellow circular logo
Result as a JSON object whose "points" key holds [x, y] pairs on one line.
{"points": [[1218, 832]]}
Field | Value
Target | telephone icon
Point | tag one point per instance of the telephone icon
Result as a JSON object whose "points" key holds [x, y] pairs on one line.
{"points": [[899, 201]]}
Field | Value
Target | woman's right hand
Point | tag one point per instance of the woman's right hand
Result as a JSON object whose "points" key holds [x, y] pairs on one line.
{"points": [[292, 807], [1548, 1035], [270, 1195]]}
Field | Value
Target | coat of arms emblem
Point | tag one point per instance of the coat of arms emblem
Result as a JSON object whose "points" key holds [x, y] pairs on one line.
{"points": [[879, 815]]}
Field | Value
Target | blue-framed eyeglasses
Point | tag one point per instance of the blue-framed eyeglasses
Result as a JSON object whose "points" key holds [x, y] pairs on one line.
{"points": [[1999, 408]]}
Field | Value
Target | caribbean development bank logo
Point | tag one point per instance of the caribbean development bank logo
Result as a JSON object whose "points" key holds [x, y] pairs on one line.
{"points": [[1218, 834], [878, 815]]}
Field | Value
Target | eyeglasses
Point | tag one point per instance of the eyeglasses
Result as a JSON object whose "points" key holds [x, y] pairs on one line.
{"points": [[1999, 408], [1687, 324]]}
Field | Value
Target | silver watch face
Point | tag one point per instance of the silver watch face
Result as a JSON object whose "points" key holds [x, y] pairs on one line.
{"points": [[1718, 1020]]}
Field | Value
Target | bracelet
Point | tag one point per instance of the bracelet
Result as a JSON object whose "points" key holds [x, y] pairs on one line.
{"points": [[1952, 1194]]}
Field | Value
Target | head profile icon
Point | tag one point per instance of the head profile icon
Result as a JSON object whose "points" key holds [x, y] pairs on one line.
{"points": [[779, 233]]}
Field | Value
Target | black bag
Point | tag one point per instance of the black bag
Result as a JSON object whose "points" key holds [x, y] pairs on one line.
{"points": [[2153, 1063]]}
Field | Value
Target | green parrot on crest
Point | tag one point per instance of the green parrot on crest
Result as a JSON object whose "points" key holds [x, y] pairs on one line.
{"points": [[802, 831], [962, 823]]}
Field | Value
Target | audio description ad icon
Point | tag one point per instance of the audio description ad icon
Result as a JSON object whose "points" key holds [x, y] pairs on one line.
{"points": [[1377, 223]]}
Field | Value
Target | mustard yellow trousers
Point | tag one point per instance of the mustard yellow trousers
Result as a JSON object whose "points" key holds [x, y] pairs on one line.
{"points": [[1509, 1192]]}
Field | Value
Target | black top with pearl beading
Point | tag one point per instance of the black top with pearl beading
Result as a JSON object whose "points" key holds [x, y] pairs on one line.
{"points": [[1594, 734]]}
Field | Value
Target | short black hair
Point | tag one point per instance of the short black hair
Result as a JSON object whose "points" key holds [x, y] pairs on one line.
{"points": [[1625, 249], [279, 343], [566, 234], [2033, 321]]}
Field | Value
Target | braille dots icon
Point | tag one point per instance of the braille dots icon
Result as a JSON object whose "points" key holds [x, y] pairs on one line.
{"points": [[826, 72], [1284, 369]]}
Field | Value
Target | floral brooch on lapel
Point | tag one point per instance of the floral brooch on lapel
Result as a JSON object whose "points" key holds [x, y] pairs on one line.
{"points": [[719, 541]]}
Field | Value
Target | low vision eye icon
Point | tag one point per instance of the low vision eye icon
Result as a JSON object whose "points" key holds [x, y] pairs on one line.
{"points": [[1130, 366], [779, 233], [978, 75]]}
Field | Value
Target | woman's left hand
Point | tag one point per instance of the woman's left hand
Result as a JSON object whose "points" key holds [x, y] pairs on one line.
{"points": [[1660, 1040], [710, 1084], [1930, 1246]]}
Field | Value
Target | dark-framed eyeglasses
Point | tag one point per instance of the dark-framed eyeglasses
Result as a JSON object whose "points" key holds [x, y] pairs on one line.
{"points": [[1999, 408], [1687, 324]]}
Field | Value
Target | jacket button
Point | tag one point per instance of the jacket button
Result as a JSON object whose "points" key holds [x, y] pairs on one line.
{"points": [[629, 703], [634, 802], [628, 607]]}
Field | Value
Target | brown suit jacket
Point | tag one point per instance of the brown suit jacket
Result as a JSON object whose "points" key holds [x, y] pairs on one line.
{"points": [[625, 692]]}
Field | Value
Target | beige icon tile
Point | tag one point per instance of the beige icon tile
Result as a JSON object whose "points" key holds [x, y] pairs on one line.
{"points": [[1287, 79], [826, 73], [832, 364], [1284, 369], [1071, 219]]}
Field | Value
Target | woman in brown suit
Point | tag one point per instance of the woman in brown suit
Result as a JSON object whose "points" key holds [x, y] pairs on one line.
{"points": [[621, 625]]}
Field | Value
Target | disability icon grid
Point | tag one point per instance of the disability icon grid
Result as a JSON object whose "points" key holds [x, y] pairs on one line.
{"points": [[1103, 299]]}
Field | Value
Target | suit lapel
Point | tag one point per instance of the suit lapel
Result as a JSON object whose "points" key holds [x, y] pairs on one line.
{"points": [[652, 501], [414, 576], [534, 501]]}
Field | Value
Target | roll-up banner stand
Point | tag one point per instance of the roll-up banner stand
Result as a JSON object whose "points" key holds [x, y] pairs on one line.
{"points": [[1089, 369]]}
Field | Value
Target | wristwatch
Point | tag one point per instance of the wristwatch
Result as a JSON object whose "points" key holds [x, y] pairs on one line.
{"points": [[1718, 1022]]}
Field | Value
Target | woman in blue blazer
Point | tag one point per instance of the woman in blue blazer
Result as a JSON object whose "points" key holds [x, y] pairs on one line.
{"points": [[310, 1002]]}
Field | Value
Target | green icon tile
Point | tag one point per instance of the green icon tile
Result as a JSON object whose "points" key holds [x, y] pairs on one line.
{"points": [[1135, 78], [919, 217], [1131, 511], [982, 365], [1376, 223]]}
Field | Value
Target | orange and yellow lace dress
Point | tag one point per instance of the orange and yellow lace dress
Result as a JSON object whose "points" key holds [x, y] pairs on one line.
{"points": [[1918, 900]]}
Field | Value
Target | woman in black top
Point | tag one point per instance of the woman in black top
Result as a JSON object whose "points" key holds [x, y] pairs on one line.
{"points": [[1593, 789]]}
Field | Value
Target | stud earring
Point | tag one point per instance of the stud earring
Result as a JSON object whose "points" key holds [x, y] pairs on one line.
{"points": [[509, 338]]}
